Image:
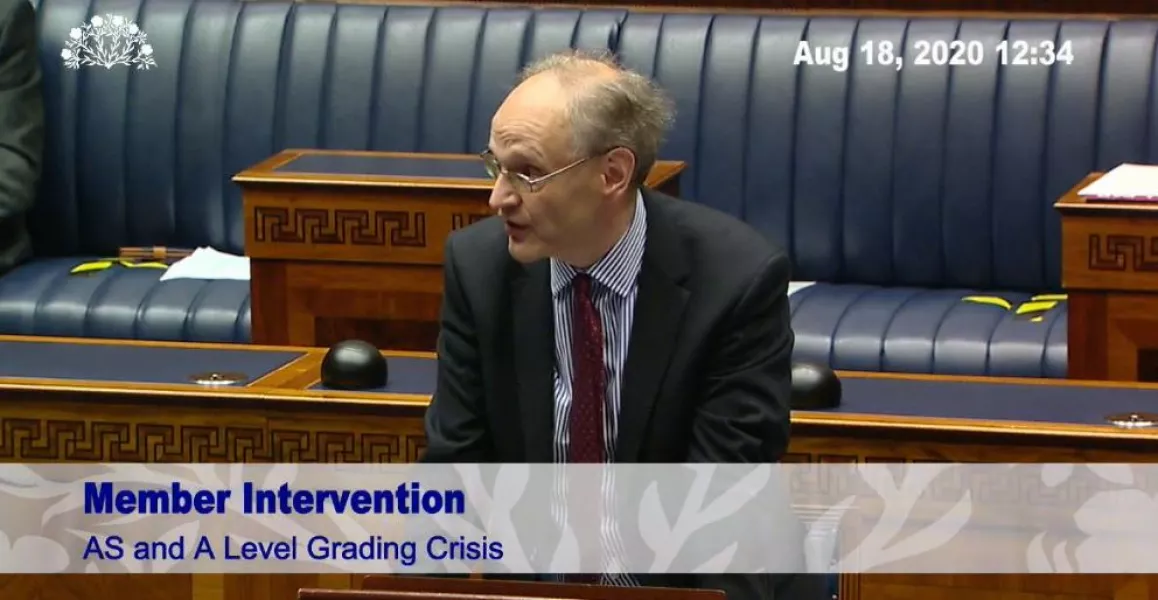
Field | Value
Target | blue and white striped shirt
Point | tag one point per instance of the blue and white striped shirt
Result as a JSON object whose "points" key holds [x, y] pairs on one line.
{"points": [[614, 289]]}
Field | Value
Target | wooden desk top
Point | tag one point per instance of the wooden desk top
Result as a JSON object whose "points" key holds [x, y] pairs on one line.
{"points": [[391, 170], [876, 404], [1072, 204], [275, 376]]}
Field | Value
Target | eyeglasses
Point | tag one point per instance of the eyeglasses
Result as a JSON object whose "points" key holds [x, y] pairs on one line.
{"points": [[520, 181]]}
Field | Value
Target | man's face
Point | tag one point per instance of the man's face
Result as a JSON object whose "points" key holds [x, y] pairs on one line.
{"points": [[530, 136]]}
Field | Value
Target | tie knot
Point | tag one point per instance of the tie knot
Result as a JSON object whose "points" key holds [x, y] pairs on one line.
{"points": [[582, 284]]}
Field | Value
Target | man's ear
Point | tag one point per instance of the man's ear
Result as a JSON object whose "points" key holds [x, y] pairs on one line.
{"points": [[618, 170]]}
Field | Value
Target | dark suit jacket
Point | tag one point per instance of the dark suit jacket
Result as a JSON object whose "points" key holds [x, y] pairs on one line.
{"points": [[21, 127], [707, 377]]}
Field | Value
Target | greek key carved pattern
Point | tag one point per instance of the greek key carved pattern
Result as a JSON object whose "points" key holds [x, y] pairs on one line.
{"points": [[460, 220], [339, 227], [101, 441], [1122, 252]]}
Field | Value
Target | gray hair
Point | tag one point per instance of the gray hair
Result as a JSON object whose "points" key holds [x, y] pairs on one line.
{"points": [[626, 110]]}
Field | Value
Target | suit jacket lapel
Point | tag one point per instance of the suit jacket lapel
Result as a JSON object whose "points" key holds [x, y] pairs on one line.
{"points": [[534, 329], [659, 309]]}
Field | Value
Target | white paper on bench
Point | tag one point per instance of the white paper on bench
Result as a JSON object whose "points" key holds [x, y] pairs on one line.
{"points": [[796, 286], [1125, 181], [207, 263]]}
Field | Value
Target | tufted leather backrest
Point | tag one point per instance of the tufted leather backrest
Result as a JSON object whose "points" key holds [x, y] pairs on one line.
{"points": [[142, 157], [927, 175]]}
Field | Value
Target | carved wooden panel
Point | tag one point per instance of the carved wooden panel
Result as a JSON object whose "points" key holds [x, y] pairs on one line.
{"points": [[35, 427], [356, 227], [27, 440], [51, 431], [33, 440], [399, 227], [460, 220], [1102, 251], [1123, 252], [1110, 273]]}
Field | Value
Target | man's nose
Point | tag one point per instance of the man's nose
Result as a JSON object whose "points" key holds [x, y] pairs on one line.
{"points": [[503, 197]]}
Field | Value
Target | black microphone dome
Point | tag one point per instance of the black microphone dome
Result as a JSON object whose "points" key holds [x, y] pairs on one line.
{"points": [[814, 387], [354, 365]]}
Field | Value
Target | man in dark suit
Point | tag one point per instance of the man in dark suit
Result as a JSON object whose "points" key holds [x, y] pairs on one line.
{"points": [[21, 127], [596, 321]]}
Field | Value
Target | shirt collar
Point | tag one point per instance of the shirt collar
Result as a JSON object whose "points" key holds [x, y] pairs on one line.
{"points": [[619, 268]]}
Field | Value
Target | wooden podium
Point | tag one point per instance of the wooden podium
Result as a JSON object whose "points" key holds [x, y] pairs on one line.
{"points": [[349, 244], [1110, 274], [489, 588]]}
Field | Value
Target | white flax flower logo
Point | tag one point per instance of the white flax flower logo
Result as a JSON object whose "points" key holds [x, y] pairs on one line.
{"points": [[106, 42]]}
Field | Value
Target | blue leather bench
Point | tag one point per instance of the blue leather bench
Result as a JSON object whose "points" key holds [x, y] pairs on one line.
{"points": [[901, 191]]}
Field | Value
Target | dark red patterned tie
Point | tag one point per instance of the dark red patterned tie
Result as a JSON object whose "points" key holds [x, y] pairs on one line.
{"points": [[587, 384], [587, 391]]}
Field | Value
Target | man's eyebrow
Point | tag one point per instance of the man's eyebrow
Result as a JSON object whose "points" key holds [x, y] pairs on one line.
{"points": [[522, 154], [516, 156]]}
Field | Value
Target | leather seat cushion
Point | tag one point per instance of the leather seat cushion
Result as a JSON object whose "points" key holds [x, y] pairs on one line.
{"points": [[849, 327], [42, 298], [915, 330]]}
